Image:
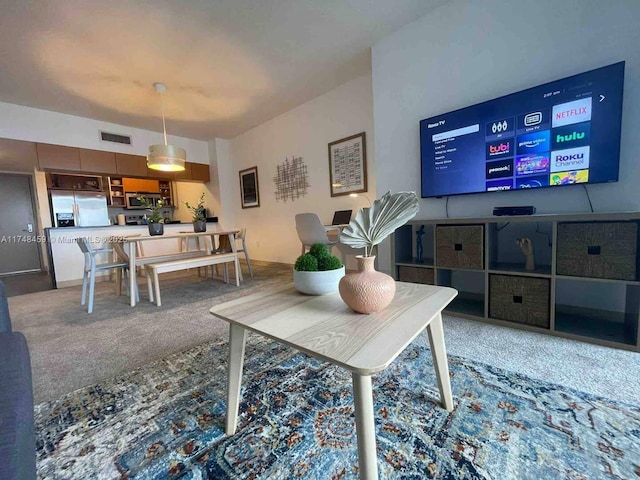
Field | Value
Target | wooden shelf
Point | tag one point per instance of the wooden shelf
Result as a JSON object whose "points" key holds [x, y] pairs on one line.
{"points": [[599, 310]]}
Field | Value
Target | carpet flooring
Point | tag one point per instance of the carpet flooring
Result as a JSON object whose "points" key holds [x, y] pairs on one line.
{"points": [[74, 353], [165, 421], [71, 349]]}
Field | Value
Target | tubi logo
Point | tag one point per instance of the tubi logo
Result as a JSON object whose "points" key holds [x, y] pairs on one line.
{"points": [[570, 159], [498, 149], [503, 147]]}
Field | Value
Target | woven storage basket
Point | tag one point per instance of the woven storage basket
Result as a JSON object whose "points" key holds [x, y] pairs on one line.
{"points": [[415, 275], [460, 246], [519, 299], [599, 250]]}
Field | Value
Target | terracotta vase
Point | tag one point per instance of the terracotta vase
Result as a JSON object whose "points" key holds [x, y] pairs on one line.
{"points": [[368, 290]]}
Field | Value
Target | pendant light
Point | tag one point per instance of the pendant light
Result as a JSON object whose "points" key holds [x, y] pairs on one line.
{"points": [[165, 157]]}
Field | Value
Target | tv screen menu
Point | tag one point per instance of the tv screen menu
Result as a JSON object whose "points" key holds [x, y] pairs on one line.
{"points": [[560, 133]]}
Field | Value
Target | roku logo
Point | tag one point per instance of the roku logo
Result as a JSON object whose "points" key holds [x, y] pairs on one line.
{"points": [[570, 138], [564, 158], [503, 147]]}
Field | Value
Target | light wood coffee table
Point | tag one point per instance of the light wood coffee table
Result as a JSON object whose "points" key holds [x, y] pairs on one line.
{"points": [[325, 328]]}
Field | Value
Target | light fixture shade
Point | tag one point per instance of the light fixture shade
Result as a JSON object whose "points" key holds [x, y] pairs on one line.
{"points": [[166, 158]]}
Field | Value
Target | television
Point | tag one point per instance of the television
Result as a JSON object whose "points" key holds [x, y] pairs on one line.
{"points": [[561, 133]]}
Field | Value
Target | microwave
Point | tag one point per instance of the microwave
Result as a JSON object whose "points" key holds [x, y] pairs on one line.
{"points": [[132, 202]]}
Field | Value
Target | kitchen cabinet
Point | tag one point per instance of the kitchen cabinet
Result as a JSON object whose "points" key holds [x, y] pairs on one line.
{"points": [[185, 174], [140, 185], [58, 157], [97, 161], [166, 192], [200, 172], [159, 174], [131, 165], [116, 192]]}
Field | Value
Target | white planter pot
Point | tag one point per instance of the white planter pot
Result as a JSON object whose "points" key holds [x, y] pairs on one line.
{"points": [[318, 283]]}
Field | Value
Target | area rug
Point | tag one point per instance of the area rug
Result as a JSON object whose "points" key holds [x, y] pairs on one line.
{"points": [[166, 421]]}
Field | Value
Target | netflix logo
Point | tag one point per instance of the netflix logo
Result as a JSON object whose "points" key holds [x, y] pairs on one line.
{"points": [[571, 112]]}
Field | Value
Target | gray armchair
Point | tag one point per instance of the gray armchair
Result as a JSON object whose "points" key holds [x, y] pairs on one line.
{"points": [[17, 439]]}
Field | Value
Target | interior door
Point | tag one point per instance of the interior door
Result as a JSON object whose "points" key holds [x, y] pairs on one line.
{"points": [[19, 250]]}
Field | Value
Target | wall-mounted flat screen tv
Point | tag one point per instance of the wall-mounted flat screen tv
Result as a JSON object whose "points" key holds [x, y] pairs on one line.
{"points": [[560, 133]]}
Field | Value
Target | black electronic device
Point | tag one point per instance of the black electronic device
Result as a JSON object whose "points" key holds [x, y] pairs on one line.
{"points": [[518, 210], [341, 217], [560, 133]]}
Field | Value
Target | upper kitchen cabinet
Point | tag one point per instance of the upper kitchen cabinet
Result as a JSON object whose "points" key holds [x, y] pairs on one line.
{"points": [[159, 174], [58, 157], [185, 174], [131, 165], [200, 172], [140, 185], [97, 161]]}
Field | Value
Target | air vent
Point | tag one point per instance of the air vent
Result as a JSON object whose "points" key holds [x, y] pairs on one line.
{"points": [[115, 138]]}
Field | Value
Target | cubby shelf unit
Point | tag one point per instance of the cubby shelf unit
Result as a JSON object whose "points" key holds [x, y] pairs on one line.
{"points": [[584, 285]]}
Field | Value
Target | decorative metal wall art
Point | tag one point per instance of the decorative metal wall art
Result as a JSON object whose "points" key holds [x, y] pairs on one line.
{"points": [[291, 179]]}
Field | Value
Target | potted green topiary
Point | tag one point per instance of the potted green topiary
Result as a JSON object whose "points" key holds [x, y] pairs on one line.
{"points": [[198, 215], [155, 221], [317, 272]]}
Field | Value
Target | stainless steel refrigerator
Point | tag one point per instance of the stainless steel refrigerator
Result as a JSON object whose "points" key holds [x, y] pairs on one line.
{"points": [[78, 209]]}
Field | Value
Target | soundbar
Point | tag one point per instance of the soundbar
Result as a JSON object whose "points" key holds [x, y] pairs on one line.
{"points": [[519, 210]]}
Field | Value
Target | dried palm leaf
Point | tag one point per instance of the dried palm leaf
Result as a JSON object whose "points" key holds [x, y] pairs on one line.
{"points": [[371, 226]]}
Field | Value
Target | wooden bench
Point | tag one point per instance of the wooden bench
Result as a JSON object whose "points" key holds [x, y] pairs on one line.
{"points": [[154, 269]]}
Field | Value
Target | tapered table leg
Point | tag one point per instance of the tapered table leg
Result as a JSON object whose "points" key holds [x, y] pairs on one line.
{"points": [[439, 354], [365, 426], [237, 336]]}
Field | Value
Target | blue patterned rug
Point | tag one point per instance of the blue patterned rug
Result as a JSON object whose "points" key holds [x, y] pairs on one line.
{"points": [[166, 420]]}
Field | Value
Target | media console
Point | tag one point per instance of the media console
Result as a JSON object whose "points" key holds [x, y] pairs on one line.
{"points": [[582, 282]]}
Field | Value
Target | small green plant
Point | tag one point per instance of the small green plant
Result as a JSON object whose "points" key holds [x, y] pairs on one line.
{"points": [[198, 211], [306, 263], [155, 208], [318, 259], [319, 250], [330, 262]]}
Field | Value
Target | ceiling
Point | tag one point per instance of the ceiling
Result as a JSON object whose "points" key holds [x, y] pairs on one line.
{"points": [[228, 65]]}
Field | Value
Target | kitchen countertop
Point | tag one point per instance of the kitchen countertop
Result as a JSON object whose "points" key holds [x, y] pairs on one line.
{"points": [[112, 226]]}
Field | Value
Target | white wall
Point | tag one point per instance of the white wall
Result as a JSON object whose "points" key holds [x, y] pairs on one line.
{"points": [[227, 175], [304, 132], [467, 52], [30, 124]]}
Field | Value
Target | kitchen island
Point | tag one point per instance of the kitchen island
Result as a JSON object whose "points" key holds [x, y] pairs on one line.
{"points": [[66, 261]]}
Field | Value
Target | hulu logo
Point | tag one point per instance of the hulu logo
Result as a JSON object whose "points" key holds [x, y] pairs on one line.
{"points": [[570, 138]]}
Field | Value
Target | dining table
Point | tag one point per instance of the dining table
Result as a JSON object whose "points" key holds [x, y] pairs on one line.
{"points": [[182, 238]]}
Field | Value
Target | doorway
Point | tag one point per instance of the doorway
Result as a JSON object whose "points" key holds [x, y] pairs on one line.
{"points": [[19, 240]]}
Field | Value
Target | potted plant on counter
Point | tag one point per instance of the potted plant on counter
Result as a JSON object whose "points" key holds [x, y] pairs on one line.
{"points": [[198, 215], [155, 221], [317, 272]]}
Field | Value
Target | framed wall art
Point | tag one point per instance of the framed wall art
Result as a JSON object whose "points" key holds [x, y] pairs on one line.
{"points": [[348, 165], [249, 191]]}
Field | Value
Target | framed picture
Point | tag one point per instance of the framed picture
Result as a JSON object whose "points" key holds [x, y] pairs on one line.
{"points": [[348, 165], [249, 192]]}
